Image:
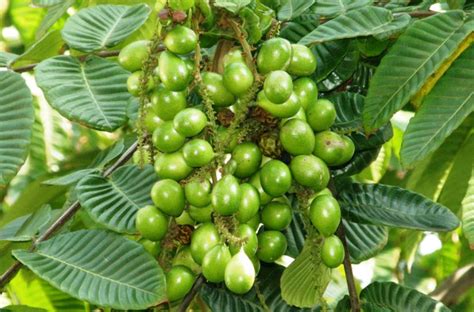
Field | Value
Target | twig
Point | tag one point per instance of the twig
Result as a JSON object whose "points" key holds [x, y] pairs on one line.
{"points": [[354, 299], [191, 294], [455, 286]]}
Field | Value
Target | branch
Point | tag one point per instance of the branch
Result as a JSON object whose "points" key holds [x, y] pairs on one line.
{"points": [[456, 285], [191, 294], [64, 218]]}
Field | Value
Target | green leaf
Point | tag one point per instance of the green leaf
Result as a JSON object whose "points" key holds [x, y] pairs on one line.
{"points": [[128, 277], [25, 228], [251, 22], [359, 162], [293, 8], [468, 212], [303, 283], [103, 26], [114, 202], [93, 92], [415, 56], [364, 240], [380, 204], [46, 3], [26, 19], [329, 55], [54, 13], [16, 120], [295, 234], [21, 308], [366, 21], [331, 8], [70, 178], [233, 6], [6, 58], [442, 111], [219, 299], [298, 28]]}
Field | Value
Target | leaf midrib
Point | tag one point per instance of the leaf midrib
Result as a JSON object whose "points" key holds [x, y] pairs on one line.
{"points": [[112, 29]]}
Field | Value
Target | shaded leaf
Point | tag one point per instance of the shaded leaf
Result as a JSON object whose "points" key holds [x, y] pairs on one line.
{"points": [[468, 212], [298, 28], [293, 8], [233, 6], [219, 299], [331, 8], [364, 240], [25, 228], [329, 55], [70, 178], [6, 58]]}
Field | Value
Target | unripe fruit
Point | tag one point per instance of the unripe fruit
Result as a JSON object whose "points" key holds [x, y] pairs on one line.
{"points": [[198, 193], [249, 203], [152, 247], [132, 56], [184, 257], [134, 85], [233, 56], [271, 246], [297, 137], [284, 110], [240, 273], [306, 91], [310, 171], [255, 181], [254, 222], [203, 239], [214, 263], [179, 281], [201, 214], [168, 196], [245, 231], [181, 40], [321, 115], [151, 223], [190, 122], [226, 196], [275, 177], [278, 86], [197, 153], [172, 166], [329, 146], [166, 139], [174, 73], [275, 54], [248, 158], [166, 104], [303, 61], [237, 78], [276, 216], [348, 151], [332, 251], [325, 214], [217, 92]]}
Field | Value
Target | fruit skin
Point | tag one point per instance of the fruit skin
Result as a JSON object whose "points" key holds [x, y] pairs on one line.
{"points": [[203, 239], [240, 273], [271, 246], [190, 122], [329, 146], [325, 214], [309, 170], [306, 91], [332, 252], [249, 203], [347, 152], [248, 158], [321, 115], [172, 166], [275, 177], [181, 40], [275, 54], [201, 214], [168, 196], [198, 193], [166, 104], [214, 84], [215, 262], [173, 71], [303, 61], [179, 281], [197, 153], [131, 57], [233, 56], [276, 216], [254, 222], [251, 245], [184, 219], [184, 257], [133, 83], [297, 137], [226, 196], [278, 86], [237, 78], [153, 248], [166, 139], [284, 110], [151, 223], [265, 198]]}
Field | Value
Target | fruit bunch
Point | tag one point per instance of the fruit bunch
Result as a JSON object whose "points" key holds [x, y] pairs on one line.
{"points": [[230, 179]]}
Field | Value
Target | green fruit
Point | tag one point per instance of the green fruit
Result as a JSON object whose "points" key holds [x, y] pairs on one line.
{"points": [[275, 177], [179, 281], [174, 73], [181, 5], [215, 262], [201, 214], [151, 223], [240, 273], [198, 153], [309, 170], [168, 196], [284, 110], [369, 46], [153, 248], [297, 137], [166, 104], [184, 257], [265, 198], [325, 214], [190, 122], [198, 193], [151, 120], [132, 56], [249, 203], [133, 83], [184, 219], [321, 115], [203, 239], [275, 54], [172, 166], [306, 91], [246, 232], [278, 86], [224, 135], [276, 216], [248, 157], [271, 246], [226, 196], [237, 78], [180, 40], [301, 115], [166, 139], [214, 84], [332, 252], [329, 146], [303, 61], [347, 152], [254, 222], [233, 56]]}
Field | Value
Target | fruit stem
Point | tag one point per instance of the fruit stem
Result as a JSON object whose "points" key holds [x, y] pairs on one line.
{"points": [[247, 50]]}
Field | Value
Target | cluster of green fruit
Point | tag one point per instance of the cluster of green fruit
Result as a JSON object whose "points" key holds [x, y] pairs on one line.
{"points": [[251, 189]]}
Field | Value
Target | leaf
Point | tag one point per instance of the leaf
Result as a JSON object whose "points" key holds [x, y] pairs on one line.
{"points": [[366, 21], [331, 8], [126, 275], [25, 228], [54, 13], [295, 234], [329, 55], [361, 160], [293, 8], [298, 28], [233, 6], [114, 202], [16, 120], [380, 204], [6, 58], [443, 110], [468, 212], [364, 240], [303, 283], [46, 3], [70, 178], [409, 63], [219, 299], [103, 26], [93, 92], [26, 19], [251, 22], [21, 308]]}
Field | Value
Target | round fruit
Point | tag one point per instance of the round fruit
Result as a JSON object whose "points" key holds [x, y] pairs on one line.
{"points": [[131, 57], [198, 152], [321, 114], [184, 257], [133, 83], [255, 181], [214, 84], [246, 232], [151, 120], [275, 177], [248, 158], [226, 196], [203, 239], [254, 222], [172, 166], [168, 196], [166, 139], [190, 122], [201, 214], [329, 146], [276, 216], [284, 110], [325, 214], [309, 170], [198, 193], [306, 91], [174, 73], [180, 40], [233, 56], [303, 61], [151, 223], [278, 86], [223, 134], [153, 248], [179, 281], [301, 115], [237, 78], [240, 273], [275, 54], [215, 262], [249, 203], [347, 152], [271, 246], [166, 104], [332, 252], [297, 137], [184, 219]]}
